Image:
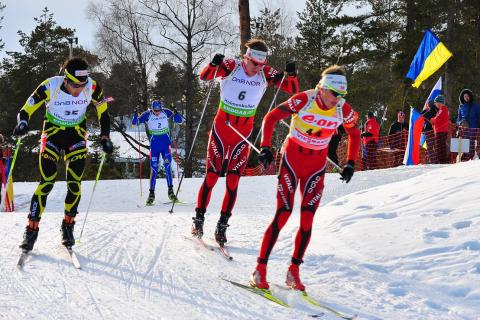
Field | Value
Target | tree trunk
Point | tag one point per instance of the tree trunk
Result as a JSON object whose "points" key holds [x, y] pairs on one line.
{"points": [[189, 97], [447, 89], [409, 47], [245, 32]]}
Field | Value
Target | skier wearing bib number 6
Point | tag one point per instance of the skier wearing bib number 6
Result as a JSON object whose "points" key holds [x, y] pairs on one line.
{"points": [[242, 85], [66, 99], [157, 123], [316, 114]]}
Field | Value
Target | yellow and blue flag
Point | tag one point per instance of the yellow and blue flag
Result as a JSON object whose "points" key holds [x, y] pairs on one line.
{"points": [[430, 56]]}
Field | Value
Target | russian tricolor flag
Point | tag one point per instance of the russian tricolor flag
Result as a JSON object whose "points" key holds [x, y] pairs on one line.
{"points": [[412, 152], [436, 90]]}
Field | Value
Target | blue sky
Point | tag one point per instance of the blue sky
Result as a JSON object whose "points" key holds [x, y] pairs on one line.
{"points": [[19, 14]]}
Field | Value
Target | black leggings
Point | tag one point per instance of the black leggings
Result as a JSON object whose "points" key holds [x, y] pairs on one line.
{"points": [[72, 141]]}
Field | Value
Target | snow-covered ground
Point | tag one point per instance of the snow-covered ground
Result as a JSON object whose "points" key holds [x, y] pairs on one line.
{"points": [[401, 243]]}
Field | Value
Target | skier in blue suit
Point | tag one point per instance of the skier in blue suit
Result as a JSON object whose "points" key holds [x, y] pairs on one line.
{"points": [[156, 120]]}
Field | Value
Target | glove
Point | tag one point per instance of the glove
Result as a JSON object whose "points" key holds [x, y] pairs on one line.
{"points": [[278, 77], [290, 68], [107, 145], [217, 59], [21, 129], [174, 109], [265, 157], [347, 172], [464, 124]]}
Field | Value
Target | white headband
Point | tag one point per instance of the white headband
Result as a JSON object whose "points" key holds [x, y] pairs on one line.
{"points": [[335, 82], [257, 55], [81, 73]]}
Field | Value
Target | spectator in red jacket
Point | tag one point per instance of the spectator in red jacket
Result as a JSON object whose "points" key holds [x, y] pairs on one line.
{"points": [[440, 127], [370, 137]]}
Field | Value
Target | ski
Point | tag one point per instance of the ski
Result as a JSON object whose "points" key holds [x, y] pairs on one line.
{"points": [[312, 301], [178, 202], [267, 294], [225, 252], [220, 249], [200, 242], [319, 304], [22, 259], [73, 258]]}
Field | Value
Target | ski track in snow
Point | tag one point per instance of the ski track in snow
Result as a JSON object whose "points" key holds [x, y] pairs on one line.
{"points": [[400, 243]]}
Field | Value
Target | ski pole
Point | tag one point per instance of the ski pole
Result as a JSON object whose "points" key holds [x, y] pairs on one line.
{"points": [[14, 159], [271, 105], [91, 195], [195, 136], [175, 153], [328, 158], [243, 137]]}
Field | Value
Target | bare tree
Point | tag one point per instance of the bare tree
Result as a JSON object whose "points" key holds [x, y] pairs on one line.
{"points": [[185, 31], [122, 37]]}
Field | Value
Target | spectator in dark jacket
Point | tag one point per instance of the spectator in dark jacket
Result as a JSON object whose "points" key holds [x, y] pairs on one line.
{"points": [[399, 125], [429, 111], [398, 137], [468, 118]]}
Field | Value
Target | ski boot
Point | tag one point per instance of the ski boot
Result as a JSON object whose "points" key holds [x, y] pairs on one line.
{"points": [[68, 240], [221, 229], [29, 238], [171, 195], [197, 226], [258, 279], [293, 278], [151, 198]]}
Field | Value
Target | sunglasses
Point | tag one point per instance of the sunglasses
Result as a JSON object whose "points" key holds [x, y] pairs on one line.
{"points": [[337, 94], [76, 85], [256, 64]]}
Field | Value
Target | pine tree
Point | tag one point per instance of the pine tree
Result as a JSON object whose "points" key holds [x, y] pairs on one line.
{"points": [[318, 45]]}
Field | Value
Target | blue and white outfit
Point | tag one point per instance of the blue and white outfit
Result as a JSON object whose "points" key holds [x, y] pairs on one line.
{"points": [[159, 141]]}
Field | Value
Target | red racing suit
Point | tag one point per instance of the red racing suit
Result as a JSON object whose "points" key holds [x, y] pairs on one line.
{"points": [[303, 162], [440, 127], [227, 152]]}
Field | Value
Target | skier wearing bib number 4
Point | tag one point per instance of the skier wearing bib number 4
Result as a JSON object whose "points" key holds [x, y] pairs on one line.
{"points": [[242, 85], [157, 123], [316, 114], [66, 99]]}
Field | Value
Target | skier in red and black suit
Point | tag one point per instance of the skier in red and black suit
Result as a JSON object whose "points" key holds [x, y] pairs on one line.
{"points": [[316, 114], [242, 85]]}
